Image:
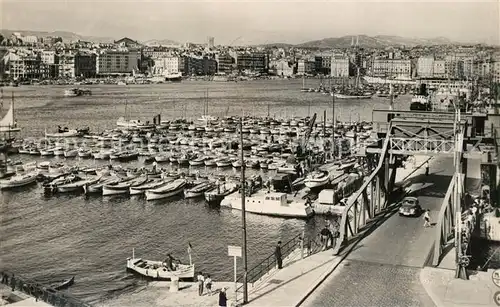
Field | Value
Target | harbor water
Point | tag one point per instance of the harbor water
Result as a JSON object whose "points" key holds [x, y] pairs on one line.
{"points": [[52, 238]]}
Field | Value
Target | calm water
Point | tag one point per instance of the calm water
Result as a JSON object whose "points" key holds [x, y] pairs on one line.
{"points": [[49, 238]]}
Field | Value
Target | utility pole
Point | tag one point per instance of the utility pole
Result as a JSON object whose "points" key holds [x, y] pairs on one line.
{"points": [[243, 218], [333, 125]]}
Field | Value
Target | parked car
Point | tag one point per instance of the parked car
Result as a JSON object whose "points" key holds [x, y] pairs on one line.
{"points": [[410, 207]]}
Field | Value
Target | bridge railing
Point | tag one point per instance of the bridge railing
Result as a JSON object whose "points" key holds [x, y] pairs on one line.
{"points": [[366, 203], [445, 227], [41, 292]]}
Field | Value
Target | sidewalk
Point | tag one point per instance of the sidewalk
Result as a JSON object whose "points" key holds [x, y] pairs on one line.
{"points": [[290, 285], [447, 291]]}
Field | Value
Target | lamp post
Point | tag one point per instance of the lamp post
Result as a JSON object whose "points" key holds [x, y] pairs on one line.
{"points": [[243, 218]]}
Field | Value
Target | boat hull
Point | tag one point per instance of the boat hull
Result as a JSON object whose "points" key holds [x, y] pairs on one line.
{"points": [[156, 270]]}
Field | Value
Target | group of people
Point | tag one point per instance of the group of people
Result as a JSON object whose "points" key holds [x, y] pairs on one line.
{"points": [[205, 282]]}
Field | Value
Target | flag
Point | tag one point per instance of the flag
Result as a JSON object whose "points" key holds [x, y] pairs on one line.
{"points": [[190, 247]]}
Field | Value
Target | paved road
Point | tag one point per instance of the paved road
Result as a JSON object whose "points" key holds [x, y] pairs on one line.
{"points": [[384, 266]]}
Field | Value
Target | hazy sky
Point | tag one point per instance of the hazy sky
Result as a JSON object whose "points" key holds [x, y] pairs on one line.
{"points": [[252, 22]]}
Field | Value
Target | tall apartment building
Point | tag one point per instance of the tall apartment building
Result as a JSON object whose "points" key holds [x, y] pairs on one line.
{"points": [[305, 66], [323, 63], [167, 65], [225, 62], [211, 42], [256, 62], [66, 64], [339, 66], [391, 68], [425, 67], [85, 64], [199, 66], [117, 62]]}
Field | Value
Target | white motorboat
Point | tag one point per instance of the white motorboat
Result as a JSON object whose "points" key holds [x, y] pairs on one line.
{"points": [[198, 190], [317, 179], [272, 203], [170, 189], [158, 270], [18, 181]]}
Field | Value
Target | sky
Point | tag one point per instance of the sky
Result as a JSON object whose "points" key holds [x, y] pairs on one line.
{"points": [[257, 22]]}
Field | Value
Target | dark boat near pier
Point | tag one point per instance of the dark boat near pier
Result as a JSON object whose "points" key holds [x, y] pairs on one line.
{"points": [[63, 284]]}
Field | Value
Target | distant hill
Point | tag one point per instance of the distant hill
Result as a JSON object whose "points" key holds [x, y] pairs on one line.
{"points": [[379, 41], [66, 36], [160, 42], [277, 45]]}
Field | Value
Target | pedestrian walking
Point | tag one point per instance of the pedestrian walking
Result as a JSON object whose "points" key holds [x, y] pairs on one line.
{"points": [[427, 169], [427, 218], [208, 284], [201, 281], [277, 253], [222, 298]]}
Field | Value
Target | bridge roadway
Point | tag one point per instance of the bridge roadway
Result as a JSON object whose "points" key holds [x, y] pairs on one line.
{"points": [[383, 268]]}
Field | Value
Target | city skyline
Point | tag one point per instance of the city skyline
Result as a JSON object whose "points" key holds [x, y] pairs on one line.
{"points": [[258, 22]]}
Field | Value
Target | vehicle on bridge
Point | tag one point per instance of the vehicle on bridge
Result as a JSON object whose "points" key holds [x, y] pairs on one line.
{"points": [[410, 207]]}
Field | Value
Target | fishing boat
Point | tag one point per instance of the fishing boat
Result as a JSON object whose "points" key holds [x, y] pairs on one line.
{"points": [[269, 203], [198, 190], [123, 186], [63, 284], [317, 179], [170, 189], [76, 186], [18, 181], [96, 188], [218, 193], [223, 162], [149, 185], [158, 270]]}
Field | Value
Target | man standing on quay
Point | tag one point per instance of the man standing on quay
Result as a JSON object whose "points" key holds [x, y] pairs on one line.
{"points": [[277, 253]]}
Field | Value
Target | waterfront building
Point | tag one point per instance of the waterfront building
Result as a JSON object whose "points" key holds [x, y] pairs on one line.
{"points": [[323, 63], [48, 56], [425, 67], [305, 66], [3, 60], [454, 67], [197, 65], [156, 52], [167, 65], [256, 62], [340, 66], [116, 62], [225, 62], [284, 68], [26, 67], [85, 64], [66, 63], [398, 68], [496, 71], [439, 70]]}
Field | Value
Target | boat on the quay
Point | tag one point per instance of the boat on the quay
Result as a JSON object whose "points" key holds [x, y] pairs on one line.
{"points": [[160, 270]]}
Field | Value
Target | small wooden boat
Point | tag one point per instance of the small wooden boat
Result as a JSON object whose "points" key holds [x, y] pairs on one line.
{"points": [[63, 284], [317, 179], [18, 181], [198, 190], [170, 189], [216, 195], [158, 270]]}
